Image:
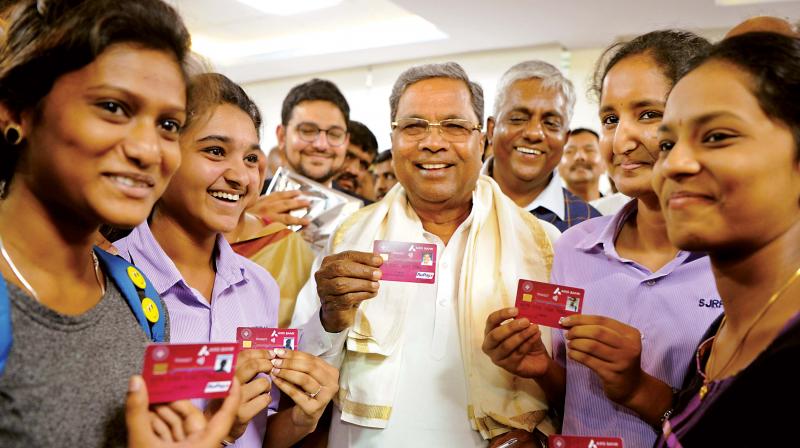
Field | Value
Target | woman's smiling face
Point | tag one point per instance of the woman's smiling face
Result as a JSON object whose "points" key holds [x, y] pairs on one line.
{"points": [[728, 176], [104, 142], [219, 173]]}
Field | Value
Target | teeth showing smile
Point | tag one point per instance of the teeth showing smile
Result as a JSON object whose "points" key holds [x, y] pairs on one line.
{"points": [[225, 196], [433, 166], [128, 182], [532, 151]]}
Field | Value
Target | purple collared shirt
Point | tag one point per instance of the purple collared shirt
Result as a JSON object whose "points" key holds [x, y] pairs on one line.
{"points": [[244, 295], [672, 308]]}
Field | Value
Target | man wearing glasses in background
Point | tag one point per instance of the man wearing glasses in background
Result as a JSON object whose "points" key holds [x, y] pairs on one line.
{"points": [[313, 138], [412, 369], [354, 178]]}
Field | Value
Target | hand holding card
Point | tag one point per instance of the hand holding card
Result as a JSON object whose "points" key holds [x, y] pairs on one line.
{"points": [[183, 371], [344, 280], [515, 344], [187, 426], [252, 369], [546, 303]]}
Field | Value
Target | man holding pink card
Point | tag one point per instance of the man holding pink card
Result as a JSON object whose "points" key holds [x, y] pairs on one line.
{"points": [[407, 284]]}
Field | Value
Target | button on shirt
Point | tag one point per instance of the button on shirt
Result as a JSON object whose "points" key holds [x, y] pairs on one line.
{"points": [[244, 295], [668, 307]]}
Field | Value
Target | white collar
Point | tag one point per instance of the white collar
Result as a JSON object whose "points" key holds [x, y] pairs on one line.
{"points": [[551, 198]]}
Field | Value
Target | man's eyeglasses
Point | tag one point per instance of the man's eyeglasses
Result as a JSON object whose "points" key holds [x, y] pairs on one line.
{"points": [[309, 132], [455, 130]]}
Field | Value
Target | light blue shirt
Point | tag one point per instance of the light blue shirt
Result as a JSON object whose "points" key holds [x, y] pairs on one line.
{"points": [[244, 295]]}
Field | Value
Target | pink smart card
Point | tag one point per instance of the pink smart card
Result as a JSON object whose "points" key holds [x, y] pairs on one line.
{"points": [[266, 338], [559, 441], [183, 371], [546, 303], [407, 262]]}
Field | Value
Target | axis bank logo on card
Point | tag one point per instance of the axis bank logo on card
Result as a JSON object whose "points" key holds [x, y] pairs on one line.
{"points": [[160, 353], [562, 441], [424, 275], [217, 386]]}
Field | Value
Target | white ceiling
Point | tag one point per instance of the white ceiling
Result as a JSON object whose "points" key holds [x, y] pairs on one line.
{"points": [[257, 46]]}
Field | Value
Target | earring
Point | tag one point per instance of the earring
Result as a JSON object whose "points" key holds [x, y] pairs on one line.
{"points": [[13, 134]]}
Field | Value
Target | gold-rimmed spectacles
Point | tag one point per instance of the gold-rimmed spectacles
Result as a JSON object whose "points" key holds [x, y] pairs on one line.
{"points": [[455, 130]]}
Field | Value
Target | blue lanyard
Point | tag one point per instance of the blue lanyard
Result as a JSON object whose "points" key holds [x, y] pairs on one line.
{"points": [[5, 325], [140, 295], [137, 290]]}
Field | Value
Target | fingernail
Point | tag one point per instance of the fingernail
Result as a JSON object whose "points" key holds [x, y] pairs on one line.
{"points": [[514, 311], [280, 351], [135, 383], [277, 362], [270, 354], [275, 370], [376, 284], [376, 274], [377, 260], [563, 321]]}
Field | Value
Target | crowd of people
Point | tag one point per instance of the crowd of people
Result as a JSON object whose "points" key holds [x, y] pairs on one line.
{"points": [[125, 166]]}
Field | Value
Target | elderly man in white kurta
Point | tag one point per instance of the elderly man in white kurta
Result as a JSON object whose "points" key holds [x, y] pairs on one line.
{"points": [[412, 370]]}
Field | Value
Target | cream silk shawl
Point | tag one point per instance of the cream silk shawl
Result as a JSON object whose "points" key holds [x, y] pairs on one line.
{"points": [[504, 243]]}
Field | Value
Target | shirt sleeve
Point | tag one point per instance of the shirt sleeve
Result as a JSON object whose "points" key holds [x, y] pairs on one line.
{"points": [[313, 337]]}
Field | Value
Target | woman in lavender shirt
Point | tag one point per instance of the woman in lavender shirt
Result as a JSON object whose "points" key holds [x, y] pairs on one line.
{"points": [[210, 290], [614, 367], [729, 182]]}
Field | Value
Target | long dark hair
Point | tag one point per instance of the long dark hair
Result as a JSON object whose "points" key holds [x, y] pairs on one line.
{"points": [[672, 50], [208, 90]]}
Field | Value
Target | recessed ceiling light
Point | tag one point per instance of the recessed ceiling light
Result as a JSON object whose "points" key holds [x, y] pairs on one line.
{"points": [[289, 7], [382, 33]]}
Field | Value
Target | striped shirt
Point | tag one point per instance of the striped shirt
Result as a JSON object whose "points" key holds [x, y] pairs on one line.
{"points": [[576, 211], [244, 295], [672, 308], [555, 204]]}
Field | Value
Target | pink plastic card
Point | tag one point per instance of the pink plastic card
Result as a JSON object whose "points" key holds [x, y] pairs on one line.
{"points": [[183, 371], [266, 338], [407, 262], [546, 303], [559, 441]]}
